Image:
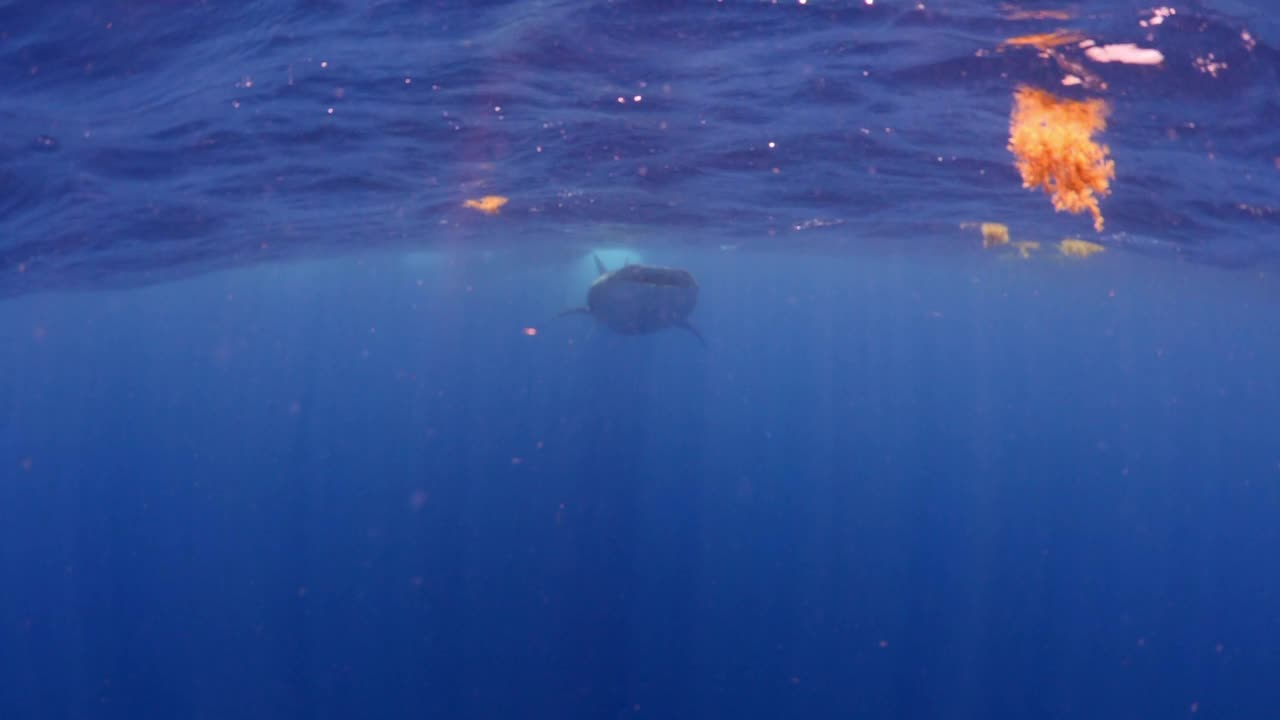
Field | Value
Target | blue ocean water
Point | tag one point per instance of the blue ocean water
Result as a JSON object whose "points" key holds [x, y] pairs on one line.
{"points": [[290, 431]]}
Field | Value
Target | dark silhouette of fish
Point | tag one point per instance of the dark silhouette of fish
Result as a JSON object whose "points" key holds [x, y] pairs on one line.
{"points": [[641, 299]]}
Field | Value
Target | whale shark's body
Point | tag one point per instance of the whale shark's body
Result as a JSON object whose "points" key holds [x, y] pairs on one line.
{"points": [[641, 299]]}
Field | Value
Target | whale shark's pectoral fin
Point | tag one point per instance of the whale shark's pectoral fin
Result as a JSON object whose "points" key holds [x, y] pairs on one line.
{"points": [[686, 325], [600, 264]]}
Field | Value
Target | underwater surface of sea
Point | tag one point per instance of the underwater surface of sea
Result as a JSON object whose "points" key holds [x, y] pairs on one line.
{"points": [[291, 427]]}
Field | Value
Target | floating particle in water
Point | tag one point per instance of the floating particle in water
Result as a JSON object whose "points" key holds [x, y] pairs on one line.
{"points": [[418, 499], [994, 234], [1010, 12], [1025, 248], [489, 204], [1079, 248], [1052, 140], [1044, 41]]}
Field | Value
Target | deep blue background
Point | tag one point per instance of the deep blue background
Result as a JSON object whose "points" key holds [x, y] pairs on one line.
{"points": [[907, 478], [893, 486]]}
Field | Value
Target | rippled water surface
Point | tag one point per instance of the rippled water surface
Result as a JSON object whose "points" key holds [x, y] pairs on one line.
{"points": [[149, 139]]}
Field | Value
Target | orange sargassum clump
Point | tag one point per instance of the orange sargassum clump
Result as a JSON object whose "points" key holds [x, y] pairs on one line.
{"points": [[1045, 41], [994, 234], [1052, 139], [489, 204], [1072, 247]]}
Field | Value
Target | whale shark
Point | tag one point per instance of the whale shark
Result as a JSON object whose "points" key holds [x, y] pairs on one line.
{"points": [[641, 299]]}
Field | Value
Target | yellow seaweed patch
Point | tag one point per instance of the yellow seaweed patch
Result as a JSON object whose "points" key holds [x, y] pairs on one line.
{"points": [[1079, 248], [1052, 139], [1025, 247], [489, 204], [994, 234], [1044, 41]]}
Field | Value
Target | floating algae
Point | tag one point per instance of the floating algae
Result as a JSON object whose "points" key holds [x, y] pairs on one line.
{"points": [[1025, 247], [994, 234], [489, 204], [1044, 41], [1078, 248], [1052, 140]]}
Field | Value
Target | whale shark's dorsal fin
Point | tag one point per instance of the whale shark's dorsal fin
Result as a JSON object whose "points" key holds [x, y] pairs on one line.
{"points": [[600, 264]]}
